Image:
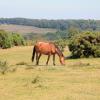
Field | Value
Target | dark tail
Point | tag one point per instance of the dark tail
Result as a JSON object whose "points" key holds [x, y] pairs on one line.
{"points": [[33, 54]]}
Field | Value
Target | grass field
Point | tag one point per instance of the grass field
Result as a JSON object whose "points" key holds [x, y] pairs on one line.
{"points": [[79, 79], [25, 29]]}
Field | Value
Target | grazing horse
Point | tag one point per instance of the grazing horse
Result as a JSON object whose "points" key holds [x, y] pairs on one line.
{"points": [[47, 48]]}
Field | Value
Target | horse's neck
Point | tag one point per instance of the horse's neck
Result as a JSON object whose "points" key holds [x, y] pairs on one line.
{"points": [[58, 52]]}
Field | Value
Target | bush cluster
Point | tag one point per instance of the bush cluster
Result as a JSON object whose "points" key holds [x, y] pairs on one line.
{"points": [[8, 40], [85, 45]]}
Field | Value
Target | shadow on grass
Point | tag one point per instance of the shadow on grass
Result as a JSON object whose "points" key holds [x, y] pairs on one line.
{"points": [[32, 66], [70, 57], [80, 64], [21, 63]]}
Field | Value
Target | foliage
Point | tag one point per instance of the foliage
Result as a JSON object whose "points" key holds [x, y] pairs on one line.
{"points": [[50, 36], [61, 43], [62, 35], [17, 39], [56, 24], [5, 40], [71, 32], [56, 36], [85, 45]]}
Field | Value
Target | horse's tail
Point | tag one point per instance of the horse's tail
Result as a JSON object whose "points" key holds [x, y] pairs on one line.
{"points": [[33, 54]]}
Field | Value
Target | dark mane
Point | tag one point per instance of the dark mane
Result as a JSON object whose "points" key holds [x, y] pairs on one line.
{"points": [[59, 51]]}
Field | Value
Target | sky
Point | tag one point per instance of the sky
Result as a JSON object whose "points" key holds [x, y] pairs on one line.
{"points": [[50, 9]]}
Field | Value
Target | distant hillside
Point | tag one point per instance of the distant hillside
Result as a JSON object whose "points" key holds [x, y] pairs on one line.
{"points": [[55, 24], [25, 29], [36, 29]]}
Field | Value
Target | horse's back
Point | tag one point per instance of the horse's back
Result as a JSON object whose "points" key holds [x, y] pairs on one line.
{"points": [[45, 47]]}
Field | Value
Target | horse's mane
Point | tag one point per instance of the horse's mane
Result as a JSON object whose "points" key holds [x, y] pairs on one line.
{"points": [[58, 50]]}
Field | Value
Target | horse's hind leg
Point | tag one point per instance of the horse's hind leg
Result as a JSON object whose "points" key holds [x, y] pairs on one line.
{"points": [[48, 59], [38, 58]]}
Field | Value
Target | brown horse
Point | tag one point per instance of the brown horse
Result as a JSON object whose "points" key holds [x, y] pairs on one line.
{"points": [[49, 49]]}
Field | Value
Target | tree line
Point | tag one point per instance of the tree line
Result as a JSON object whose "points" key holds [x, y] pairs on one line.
{"points": [[56, 24]]}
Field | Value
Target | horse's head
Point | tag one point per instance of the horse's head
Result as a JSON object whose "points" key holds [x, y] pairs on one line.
{"points": [[61, 56], [62, 60]]}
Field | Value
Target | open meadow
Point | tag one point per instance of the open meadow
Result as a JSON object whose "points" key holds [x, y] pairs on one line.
{"points": [[79, 79]]}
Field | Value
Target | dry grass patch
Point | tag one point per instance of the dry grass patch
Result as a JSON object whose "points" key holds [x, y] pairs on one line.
{"points": [[25, 29]]}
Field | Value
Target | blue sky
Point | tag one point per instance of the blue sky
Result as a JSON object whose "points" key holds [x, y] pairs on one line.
{"points": [[50, 9]]}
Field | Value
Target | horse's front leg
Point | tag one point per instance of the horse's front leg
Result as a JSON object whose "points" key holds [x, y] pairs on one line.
{"points": [[54, 59], [48, 59]]}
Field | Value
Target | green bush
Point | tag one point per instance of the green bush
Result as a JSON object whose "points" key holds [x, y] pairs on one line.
{"points": [[17, 39], [85, 45], [61, 43], [8, 40], [5, 40]]}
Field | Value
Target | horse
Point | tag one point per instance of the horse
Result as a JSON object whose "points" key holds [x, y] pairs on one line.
{"points": [[47, 48]]}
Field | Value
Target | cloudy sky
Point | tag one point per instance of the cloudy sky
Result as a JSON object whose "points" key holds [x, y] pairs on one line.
{"points": [[50, 9]]}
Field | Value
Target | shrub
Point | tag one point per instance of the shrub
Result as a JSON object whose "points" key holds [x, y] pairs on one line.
{"points": [[5, 40], [85, 45], [18, 39], [8, 40], [61, 43]]}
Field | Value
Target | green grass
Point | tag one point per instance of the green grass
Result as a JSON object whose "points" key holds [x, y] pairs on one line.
{"points": [[79, 79]]}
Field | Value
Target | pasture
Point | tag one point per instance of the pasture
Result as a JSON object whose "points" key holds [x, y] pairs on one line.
{"points": [[79, 79]]}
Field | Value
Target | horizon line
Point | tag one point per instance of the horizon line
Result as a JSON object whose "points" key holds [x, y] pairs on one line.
{"points": [[51, 18]]}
